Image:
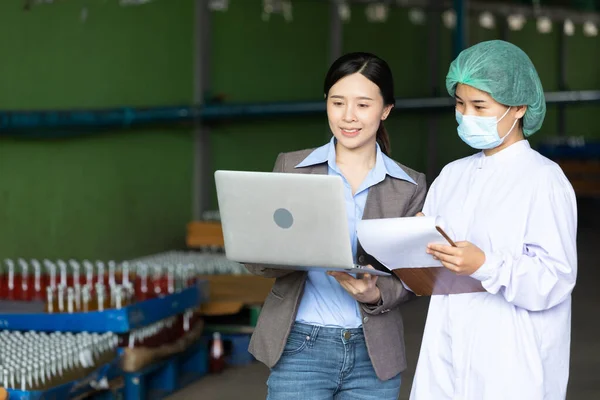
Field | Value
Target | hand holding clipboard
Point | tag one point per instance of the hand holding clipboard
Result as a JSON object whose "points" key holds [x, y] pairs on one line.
{"points": [[462, 258], [402, 245], [439, 280]]}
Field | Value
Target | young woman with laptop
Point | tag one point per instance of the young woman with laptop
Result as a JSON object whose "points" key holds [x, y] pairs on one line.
{"points": [[334, 335]]}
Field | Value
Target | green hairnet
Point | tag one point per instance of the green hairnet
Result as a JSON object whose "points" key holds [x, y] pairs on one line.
{"points": [[505, 72]]}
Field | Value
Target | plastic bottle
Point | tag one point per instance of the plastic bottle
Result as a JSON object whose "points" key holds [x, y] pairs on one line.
{"points": [[216, 362]]}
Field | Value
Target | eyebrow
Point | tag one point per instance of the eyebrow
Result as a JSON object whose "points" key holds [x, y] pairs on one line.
{"points": [[472, 101], [342, 97]]}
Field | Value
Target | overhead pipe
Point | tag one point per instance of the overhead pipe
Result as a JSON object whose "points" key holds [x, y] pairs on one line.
{"points": [[129, 117]]}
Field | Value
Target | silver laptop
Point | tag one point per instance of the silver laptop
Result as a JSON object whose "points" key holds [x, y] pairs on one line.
{"points": [[295, 221]]}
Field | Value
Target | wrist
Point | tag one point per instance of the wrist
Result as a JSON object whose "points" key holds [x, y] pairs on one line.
{"points": [[376, 299]]}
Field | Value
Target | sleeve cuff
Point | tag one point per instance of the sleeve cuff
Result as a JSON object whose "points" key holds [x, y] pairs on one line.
{"points": [[377, 308], [374, 305], [489, 269]]}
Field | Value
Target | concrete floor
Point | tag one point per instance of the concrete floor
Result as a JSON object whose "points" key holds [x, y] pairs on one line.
{"points": [[248, 382]]}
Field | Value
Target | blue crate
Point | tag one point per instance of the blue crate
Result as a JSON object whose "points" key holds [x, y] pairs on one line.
{"points": [[119, 321], [72, 389], [570, 149], [165, 377], [151, 383], [238, 354], [235, 346]]}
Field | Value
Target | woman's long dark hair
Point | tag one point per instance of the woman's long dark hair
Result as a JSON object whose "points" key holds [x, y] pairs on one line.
{"points": [[374, 69]]}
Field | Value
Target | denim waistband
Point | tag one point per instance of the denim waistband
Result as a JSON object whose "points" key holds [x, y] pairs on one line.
{"points": [[332, 333]]}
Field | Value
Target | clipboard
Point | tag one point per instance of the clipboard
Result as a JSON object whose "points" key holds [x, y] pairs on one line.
{"points": [[437, 280]]}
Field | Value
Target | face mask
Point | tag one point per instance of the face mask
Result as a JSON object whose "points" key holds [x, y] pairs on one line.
{"points": [[481, 132]]}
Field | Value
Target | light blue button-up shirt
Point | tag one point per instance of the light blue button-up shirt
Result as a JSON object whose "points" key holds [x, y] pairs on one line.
{"points": [[325, 302]]}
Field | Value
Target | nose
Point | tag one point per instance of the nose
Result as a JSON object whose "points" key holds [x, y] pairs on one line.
{"points": [[349, 115]]}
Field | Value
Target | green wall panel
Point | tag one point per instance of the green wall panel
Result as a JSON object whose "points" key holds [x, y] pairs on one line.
{"points": [[583, 73], [139, 56], [388, 40], [115, 195], [254, 60]]}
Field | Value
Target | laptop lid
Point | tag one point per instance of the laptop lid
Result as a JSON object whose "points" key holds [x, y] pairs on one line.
{"points": [[284, 219]]}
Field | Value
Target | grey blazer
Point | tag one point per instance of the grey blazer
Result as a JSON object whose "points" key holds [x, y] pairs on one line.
{"points": [[382, 323]]}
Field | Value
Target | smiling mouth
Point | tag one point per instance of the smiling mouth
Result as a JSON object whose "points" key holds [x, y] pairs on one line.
{"points": [[350, 132]]}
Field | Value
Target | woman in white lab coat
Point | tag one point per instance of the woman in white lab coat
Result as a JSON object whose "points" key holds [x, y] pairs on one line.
{"points": [[514, 217]]}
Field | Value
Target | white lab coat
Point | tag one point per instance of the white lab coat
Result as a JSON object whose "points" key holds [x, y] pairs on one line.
{"points": [[512, 341]]}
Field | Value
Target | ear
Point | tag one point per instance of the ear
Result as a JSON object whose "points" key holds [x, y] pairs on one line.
{"points": [[386, 112], [521, 110]]}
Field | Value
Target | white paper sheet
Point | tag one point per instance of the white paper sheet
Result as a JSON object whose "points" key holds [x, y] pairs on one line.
{"points": [[402, 242]]}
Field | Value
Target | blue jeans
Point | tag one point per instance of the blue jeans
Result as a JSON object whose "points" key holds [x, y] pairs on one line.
{"points": [[327, 364]]}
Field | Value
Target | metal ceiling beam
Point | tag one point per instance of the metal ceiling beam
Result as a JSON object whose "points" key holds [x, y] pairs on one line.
{"points": [[499, 8]]}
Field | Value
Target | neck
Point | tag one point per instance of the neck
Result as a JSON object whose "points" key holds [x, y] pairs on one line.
{"points": [[361, 157], [512, 138]]}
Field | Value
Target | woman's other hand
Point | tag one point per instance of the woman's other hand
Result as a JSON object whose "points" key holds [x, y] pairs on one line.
{"points": [[363, 289]]}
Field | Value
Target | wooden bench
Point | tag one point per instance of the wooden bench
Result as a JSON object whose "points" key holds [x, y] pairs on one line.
{"points": [[228, 293], [579, 159], [204, 234], [584, 175]]}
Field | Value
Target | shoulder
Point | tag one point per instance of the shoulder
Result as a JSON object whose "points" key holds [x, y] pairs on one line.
{"points": [[296, 157], [293, 158], [541, 162], [286, 161], [418, 177], [547, 172]]}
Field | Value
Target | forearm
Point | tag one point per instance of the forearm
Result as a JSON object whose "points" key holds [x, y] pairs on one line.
{"points": [[544, 274], [393, 293], [534, 282]]}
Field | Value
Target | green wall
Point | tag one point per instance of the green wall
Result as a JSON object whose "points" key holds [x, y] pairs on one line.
{"points": [[114, 195], [128, 193]]}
